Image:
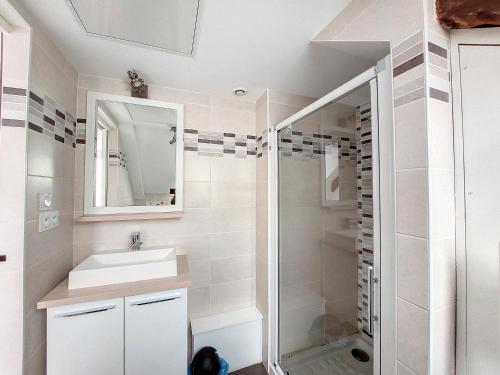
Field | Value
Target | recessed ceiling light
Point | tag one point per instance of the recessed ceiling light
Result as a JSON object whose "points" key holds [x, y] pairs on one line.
{"points": [[240, 91]]}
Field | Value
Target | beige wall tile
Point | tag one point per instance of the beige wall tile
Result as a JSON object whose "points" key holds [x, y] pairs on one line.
{"points": [[198, 302], [226, 194], [40, 246], [196, 168], [413, 270], [411, 135], [440, 135], [197, 117], [232, 295], [226, 245], [233, 219], [232, 269], [200, 273], [413, 337], [47, 76], [236, 103], [232, 170], [412, 202], [196, 194], [41, 159]]}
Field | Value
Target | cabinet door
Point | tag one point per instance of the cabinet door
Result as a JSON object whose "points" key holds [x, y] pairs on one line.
{"points": [[156, 333], [86, 339]]}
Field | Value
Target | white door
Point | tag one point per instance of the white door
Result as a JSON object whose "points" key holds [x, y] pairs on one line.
{"points": [[85, 339], [480, 81], [156, 333]]}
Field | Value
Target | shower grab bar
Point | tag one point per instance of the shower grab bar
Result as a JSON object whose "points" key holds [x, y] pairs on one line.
{"points": [[369, 326]]}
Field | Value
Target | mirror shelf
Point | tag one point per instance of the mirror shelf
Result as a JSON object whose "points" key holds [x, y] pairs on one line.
{"points": [[125, 217]]}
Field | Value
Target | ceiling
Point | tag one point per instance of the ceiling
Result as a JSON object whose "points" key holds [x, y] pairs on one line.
{"points": [[256, 44]]}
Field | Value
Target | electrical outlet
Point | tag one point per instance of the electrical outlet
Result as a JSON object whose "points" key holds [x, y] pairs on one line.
{"points": [[48, 220], [44, 201]]}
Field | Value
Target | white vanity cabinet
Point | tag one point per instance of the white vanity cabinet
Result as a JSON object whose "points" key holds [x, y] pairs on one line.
{"points": [[86, 338], [156, 333], [145, 334]]}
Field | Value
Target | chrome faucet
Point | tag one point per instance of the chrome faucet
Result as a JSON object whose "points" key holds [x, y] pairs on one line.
{"points": [[136, 241]]}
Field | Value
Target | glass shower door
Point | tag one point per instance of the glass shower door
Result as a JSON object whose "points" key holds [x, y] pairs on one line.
{"points": [[326, 240]]}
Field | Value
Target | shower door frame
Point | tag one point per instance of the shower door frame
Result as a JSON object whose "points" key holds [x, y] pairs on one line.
{"points": [[379, 78]]}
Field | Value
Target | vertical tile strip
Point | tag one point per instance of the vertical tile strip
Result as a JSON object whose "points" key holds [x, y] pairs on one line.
{"points": [[364, 240]]}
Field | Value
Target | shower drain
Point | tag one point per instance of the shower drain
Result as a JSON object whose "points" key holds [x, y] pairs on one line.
{"points": [[360, 355]]}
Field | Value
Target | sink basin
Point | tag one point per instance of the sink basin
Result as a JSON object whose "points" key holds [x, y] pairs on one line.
{"points": [[123, 267]]}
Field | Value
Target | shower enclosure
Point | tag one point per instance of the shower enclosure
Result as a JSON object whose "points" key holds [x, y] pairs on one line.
{"points": [[327, 225]]}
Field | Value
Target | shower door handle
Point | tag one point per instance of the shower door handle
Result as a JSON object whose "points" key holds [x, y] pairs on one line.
{"points": [[370, 291]]}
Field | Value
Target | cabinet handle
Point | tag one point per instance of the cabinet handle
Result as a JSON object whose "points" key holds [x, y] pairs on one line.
{"points": [[149, 301], [85, 312]]}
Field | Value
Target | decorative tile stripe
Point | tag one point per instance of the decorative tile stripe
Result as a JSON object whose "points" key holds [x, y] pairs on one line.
{"points": [[205, 143], [439, 68], [262, 143], [408, 70], [45, 116], [439, 95], [220, 144], [117, 158], [13, 107], [364, 240], [81, 123], [297, 144]]}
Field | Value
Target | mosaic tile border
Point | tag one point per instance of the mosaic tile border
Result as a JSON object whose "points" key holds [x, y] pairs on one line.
{"points": [[409, 70], [364, 240], [117, 158], [204, 143], [47, 117], [298, 144], [218, 144], [409, 60], [14, 107]]}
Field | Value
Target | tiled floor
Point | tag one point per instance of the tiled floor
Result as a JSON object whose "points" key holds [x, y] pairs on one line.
{"points": [[258, 369]]}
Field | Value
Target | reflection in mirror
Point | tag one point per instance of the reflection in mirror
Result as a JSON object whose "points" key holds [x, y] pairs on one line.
{"points": [[339, 164], [135, 155]]}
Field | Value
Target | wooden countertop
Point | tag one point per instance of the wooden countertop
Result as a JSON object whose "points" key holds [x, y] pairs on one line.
{"points": [[61, 295]]}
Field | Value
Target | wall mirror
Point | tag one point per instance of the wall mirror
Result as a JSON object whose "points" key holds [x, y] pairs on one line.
{"points": [[133, 155]]}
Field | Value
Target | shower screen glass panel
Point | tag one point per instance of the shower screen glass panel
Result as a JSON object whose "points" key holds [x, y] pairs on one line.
{"points": [[326, 240]]}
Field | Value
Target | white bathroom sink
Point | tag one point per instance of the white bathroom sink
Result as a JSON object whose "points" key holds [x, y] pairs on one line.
{"points": [[123, 267]]}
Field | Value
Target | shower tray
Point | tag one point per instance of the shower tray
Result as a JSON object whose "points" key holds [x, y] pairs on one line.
{"points": [[334, 358]]}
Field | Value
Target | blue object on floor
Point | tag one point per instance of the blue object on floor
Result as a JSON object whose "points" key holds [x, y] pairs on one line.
{"points": [[224, 367]]}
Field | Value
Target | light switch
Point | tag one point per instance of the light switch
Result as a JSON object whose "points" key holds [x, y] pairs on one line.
{"points": [[44, 201], [48, 220]]}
